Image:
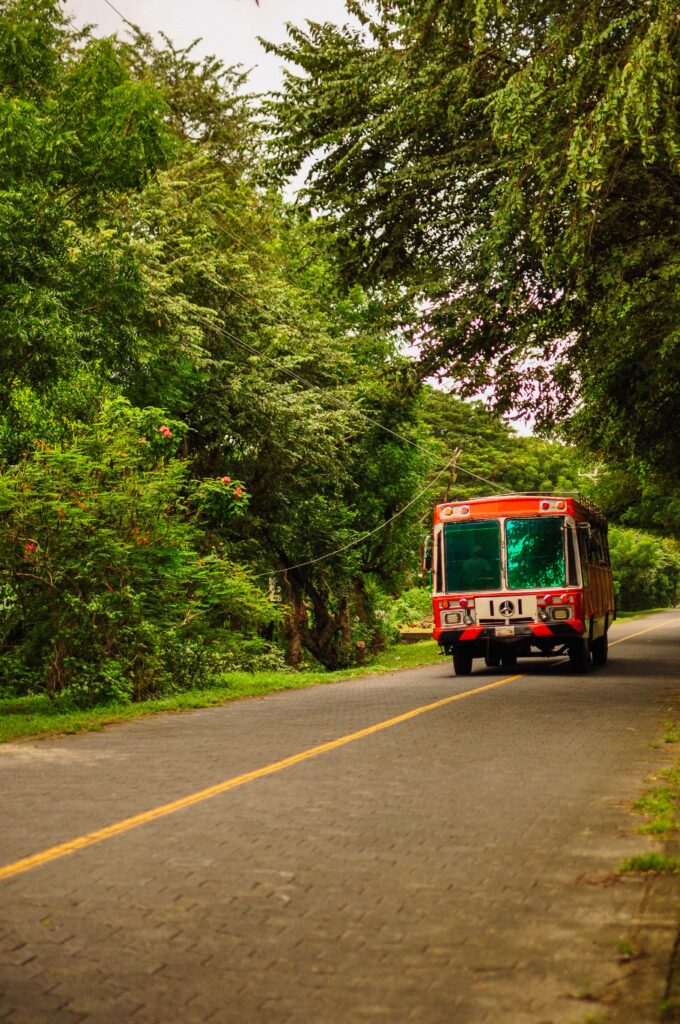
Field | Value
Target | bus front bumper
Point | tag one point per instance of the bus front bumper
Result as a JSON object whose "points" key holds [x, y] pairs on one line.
{"points": [[558, 631]]}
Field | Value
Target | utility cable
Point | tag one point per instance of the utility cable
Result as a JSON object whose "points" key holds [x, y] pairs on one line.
{"points": [[121, 16], [364, 536]]}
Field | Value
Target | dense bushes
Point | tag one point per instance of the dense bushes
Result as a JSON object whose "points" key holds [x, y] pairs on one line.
{"points": [[646, 569], [110, 588]]}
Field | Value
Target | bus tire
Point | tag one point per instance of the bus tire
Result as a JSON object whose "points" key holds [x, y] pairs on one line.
{"points": [[509, 660], [579, 655], [600, 650], [492, 660], [462, 661]]}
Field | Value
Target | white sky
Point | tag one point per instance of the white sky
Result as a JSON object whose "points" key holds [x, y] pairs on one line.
{"points": [[228, 28]]}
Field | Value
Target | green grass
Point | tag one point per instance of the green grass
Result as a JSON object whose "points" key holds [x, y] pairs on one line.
{"points": [[26, 717], [627, 951], [621, 616], [660, 805], [668, 1009], [671, 731], [658, 863]]}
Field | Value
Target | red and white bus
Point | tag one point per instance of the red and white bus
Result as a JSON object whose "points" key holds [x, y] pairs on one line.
{"points": [[517, 575]]}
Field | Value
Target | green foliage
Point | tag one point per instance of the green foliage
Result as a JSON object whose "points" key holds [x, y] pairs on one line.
{"points": [[646, 569], [37, 715], [145, 268], [75, 130], [33, 39], [107, 593], [634, 494], [672, 732]]}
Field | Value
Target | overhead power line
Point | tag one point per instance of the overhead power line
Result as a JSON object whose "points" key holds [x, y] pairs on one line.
{"points": [[364, 536], [120, 15]]}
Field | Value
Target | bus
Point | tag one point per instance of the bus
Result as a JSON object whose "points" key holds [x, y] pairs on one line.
{"points": [[521, 575]]}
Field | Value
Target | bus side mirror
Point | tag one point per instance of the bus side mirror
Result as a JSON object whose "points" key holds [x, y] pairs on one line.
{"points": [[427, 555]]}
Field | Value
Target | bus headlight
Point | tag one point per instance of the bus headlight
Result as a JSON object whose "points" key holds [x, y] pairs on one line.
{"points": [[451, 618], [561, 613]]}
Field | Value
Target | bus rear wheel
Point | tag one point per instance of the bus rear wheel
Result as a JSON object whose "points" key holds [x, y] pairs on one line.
{"points": [[600, 650], [579, 655], [462, 661]]}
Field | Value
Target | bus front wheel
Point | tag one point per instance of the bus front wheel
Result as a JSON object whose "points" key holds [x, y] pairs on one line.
{"points": [[462, 661]]}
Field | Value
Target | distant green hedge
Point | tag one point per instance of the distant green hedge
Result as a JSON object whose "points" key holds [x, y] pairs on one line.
{"points": [[646, 569]]}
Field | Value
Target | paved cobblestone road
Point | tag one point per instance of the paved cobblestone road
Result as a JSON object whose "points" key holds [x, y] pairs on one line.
{"points": [[450, 869]]}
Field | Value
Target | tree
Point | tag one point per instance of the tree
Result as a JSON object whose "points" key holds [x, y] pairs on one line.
{"points": [[515, 167], [174, 280], [77, 130]]}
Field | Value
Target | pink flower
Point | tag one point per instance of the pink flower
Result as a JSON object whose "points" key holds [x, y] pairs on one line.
{"points": [[226, 479], [238, 491], [165, 431], [31, 546]]}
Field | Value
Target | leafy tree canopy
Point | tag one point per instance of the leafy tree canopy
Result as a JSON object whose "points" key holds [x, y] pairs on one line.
{"points": [[515, 167]]}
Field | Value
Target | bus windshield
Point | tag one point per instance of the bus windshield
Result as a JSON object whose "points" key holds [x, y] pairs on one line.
{"points": [[473, 555], [535, 553]]}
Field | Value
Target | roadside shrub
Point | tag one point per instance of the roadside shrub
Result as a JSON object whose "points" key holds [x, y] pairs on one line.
{"points": [[412, 608], [646, 569], [108, 587]]}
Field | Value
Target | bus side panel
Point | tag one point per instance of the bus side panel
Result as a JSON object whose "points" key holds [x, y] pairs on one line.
{"points": [[601, 598]]}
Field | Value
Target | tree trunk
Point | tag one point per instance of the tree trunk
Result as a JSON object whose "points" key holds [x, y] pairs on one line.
{"points": [[325, 634], [295, 624]]}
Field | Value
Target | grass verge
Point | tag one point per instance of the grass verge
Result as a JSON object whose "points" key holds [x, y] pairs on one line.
{"points": [[624, 616], [660, 806], [657, 863], [26, 717]]}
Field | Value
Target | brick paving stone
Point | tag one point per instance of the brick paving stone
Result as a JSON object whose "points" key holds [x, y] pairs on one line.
{"points": [[447, 870]]}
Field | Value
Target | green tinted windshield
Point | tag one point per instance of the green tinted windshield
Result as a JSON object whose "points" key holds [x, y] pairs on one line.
{"points": [[535, 553], [472, 554]]}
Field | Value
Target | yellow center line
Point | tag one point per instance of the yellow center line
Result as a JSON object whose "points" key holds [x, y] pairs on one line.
{"points": [[62, 849], [648, 630]]}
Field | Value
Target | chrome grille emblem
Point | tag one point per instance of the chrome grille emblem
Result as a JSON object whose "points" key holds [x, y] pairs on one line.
{"points": [[506, 608]]}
